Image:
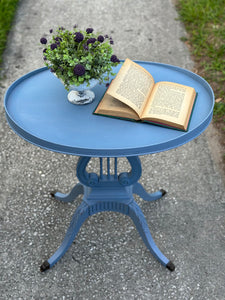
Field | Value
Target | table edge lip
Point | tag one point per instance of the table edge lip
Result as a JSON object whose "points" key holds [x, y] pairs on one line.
{"points": [[144, 150]]}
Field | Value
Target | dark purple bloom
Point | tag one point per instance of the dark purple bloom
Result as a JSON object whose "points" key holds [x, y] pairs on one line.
{"points": [[85, 47], [100, 38], [51, 30], [111, 42], [91, 41], [114, 59], [78, 37], [106, 36], [79, 70], [43, 41], [53, 46], [44, 50], [75, 26], [58, 39], [89, 30], [61, 28], [44, 58]]}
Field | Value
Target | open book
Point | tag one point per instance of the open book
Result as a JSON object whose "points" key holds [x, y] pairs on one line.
{"points": [[134, 95]]}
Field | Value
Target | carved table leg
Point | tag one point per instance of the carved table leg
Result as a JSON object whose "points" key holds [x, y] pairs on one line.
{"points": [[70, 197], [139, 220], [110, 192], [138, 189], [80, 215]]}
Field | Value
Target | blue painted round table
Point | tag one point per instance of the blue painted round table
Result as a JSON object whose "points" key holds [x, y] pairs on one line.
{"points": [[37, 109]]}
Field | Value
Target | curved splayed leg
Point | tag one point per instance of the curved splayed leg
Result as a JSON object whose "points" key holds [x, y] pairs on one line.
{"points": [[138, 189], [70, 197], [139, 220], [80, 215]]}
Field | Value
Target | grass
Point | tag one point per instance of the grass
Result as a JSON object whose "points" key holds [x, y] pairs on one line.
{"points": [[205, 24], [7, 11]]}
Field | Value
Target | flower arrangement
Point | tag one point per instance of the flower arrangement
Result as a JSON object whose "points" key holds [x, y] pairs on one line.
{"points": [[78, 56]]}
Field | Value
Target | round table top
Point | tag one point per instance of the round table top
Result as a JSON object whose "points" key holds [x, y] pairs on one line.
{"points": [[37, 109]]}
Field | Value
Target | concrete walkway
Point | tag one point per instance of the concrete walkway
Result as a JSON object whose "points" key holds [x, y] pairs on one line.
{"points": [[108, 259]]}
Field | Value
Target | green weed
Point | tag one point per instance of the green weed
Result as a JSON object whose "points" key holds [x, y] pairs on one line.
{"points": [[205, 23], [7, 11]]}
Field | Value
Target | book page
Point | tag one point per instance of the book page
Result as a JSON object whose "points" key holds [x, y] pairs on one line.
{"points": [[132, 85], [170, 102], [112, 107]]}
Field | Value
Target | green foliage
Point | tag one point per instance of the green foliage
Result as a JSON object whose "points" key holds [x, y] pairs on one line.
{"points": [[7, 11], [205, 23], [66, 49], [219, 110]]}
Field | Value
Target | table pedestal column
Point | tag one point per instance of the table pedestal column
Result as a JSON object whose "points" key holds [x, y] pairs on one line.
{"points": [[108, 192]]}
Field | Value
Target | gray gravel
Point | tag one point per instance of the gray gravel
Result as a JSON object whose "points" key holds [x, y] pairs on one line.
{"points": [[108, 259]]}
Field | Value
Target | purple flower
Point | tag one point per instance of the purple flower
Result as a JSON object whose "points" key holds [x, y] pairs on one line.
{"points": [[44, 50], [106, 36], [100, 38], [89, 30], [79, 70], [91, 41], [114, 59], [53, 46], [78, 37], [43, 41], [58, 39], [61, 28], [51, 30], [85, 47], [111, 42], [75, 26]]}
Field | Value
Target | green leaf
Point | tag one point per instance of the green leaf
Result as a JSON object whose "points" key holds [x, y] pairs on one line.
{"points": [[88, 67]]}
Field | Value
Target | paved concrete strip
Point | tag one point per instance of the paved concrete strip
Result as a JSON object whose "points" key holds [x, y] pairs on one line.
{"points": [[108, 260]]}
